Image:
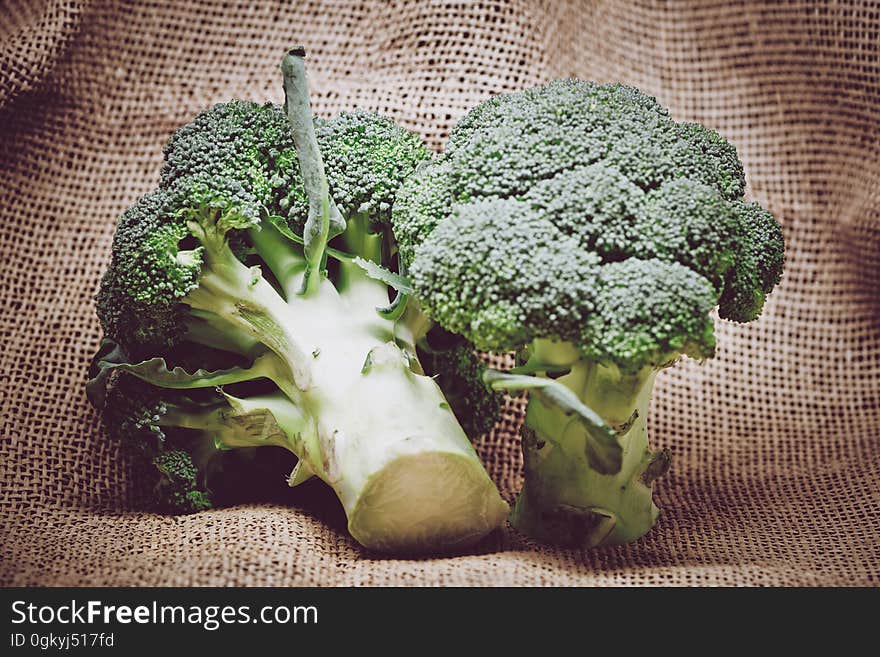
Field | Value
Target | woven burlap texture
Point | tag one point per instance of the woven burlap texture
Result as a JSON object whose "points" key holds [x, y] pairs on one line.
{"points": [[776, 442]]}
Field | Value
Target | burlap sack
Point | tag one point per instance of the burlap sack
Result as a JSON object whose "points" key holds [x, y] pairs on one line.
{"points": [[776, 442]]}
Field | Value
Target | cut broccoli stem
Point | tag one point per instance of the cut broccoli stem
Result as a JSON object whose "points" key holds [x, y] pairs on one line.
{"points": [[400, 462], [565, 498], [386, 440]]}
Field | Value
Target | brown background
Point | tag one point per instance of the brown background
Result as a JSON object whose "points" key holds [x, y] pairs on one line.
{"points": [[776, 443]]}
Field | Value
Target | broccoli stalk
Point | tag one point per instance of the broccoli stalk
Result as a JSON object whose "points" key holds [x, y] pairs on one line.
{"points": [[210, 262], [571, 494]]}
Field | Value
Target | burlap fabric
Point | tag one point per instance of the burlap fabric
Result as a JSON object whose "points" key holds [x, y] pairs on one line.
{"points": [[776, 442]]}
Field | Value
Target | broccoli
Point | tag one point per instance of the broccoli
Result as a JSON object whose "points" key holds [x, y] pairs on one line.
{"points": [[256, 298], [577, 225]]}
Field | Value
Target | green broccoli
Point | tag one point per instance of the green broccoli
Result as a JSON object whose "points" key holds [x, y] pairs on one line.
{"points": [[579, 226], [254, 299]]}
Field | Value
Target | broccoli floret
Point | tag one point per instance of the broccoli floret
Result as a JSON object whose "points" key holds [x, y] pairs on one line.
{"points": [[720, 166], [137, 414], [502, 277], [759, 269], [630, 297], [241, 141], [133, 414], [574, 104], [178, 488], [422, 203], [689, 223], [368, 157], [248, 304], [139, 306], [596, 204], [459, 372], [458, 368], [578, 225], [159, 253]]}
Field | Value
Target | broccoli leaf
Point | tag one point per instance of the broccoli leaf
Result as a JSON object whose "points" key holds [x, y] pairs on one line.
{"points": [[601, 447], [111, 357], [377, 272]]}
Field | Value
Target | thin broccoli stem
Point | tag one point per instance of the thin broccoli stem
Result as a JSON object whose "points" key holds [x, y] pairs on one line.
{"points": [[394, 452], [411, 327], [281, 256], [235, 423], [208, 329], [353, 283], [357, 239], [324, 219], [565, 499], [360, 239]]}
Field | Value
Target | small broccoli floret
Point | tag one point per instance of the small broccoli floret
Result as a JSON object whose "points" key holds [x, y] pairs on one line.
{"points": [[159, 253], [631, 296], [459, 369], [133, 414], [760, 267], [196, 440], [578, 225], [137, 414], [178, 488], [368, 158], [138, 305], [241, 141], [689, 223], [597, 204], [422, 204], [720, 167]]}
